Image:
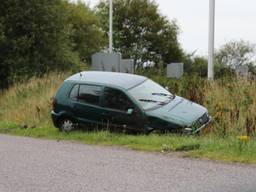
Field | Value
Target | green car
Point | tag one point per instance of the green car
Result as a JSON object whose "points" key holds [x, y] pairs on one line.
{"points": [[124, 101]]}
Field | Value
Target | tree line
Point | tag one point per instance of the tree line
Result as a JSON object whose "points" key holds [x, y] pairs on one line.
{"points": [[39, 36]]}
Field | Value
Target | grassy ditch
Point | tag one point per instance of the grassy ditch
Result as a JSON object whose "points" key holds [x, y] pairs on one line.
{"points": [[228, 149], [25, 110]]}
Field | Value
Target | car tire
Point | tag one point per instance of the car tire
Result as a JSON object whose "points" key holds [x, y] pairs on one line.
{"points": [[148, 132], [66, 125]]}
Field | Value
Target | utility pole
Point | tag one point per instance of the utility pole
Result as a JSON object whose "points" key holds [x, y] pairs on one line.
{"points": [[211, 39], [110, 26]]}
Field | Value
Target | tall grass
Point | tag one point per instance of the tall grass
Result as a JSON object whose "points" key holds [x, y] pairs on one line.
{"points": [[29, 103], [231, 102]]}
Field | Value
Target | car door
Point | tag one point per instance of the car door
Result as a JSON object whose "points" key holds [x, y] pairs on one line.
{"points": [[119, 110], [85, 102]]}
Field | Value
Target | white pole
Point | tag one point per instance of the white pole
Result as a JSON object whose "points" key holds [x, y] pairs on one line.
{"points": [[211, 39], [110, 26]]}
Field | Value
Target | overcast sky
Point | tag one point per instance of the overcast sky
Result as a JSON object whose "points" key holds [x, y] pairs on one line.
{"points": [[235, 20]]}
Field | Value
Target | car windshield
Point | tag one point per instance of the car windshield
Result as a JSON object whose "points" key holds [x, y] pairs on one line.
{"points": [[151, 95]]}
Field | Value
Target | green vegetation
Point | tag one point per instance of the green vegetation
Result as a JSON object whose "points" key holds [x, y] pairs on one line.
{"points": [[141, 32], [231, 101], [228, 57], [40, 36], [42, 42], [236, 53], [86, 35], [25, 110], [208, 147]]}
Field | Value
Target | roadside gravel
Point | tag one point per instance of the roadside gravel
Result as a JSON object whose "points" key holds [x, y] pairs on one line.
{"points": [[35, 165]]}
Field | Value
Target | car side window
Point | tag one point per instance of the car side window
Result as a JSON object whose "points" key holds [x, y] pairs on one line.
{"points": [[74, 93], [116, 99], [89, 94]]}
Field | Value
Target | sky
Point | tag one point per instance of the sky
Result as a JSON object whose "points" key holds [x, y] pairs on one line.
{"points": [[235, 20]]}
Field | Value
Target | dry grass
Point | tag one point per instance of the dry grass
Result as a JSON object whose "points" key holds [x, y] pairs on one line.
{"points": [[232, 103], [30, 103], [233, 106]]}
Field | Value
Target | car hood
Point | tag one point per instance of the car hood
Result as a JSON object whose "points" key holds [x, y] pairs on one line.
{"points": [[180, 111]]}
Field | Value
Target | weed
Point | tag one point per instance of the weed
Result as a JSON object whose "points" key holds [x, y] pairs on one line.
{"points": [[231, 103]]}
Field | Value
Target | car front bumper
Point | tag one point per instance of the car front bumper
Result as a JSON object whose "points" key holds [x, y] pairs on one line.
{"points": [[190, 131]]}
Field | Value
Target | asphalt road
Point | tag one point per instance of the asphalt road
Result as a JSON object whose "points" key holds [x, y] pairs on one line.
{"points": [[34, 165]]}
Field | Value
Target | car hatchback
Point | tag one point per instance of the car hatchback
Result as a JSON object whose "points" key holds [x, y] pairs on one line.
{"points": [[125, 101]]}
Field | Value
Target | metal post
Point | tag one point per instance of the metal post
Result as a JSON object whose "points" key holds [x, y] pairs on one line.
{"points": [[211, 39], [110, 26]]}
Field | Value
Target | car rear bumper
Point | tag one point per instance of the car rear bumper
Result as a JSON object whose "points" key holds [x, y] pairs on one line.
{"points": [[55, 118]]}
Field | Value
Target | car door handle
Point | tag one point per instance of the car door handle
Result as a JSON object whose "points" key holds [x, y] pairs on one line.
{"points": [[105, 114]]}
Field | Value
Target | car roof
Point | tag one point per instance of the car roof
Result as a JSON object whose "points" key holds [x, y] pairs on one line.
{"points": [[123, 80]]}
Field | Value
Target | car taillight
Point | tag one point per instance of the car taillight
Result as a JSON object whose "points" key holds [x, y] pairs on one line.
{"points": [[54, 103]]}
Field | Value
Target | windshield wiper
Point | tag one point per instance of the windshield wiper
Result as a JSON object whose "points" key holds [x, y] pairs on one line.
{"points": [[164, 94], [153, 101], [148, 100]]}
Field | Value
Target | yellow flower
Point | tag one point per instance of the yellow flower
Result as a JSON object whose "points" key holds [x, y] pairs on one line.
{"points": [[244, 138]]}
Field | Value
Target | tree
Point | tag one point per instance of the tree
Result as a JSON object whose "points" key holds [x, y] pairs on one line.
{"points": [[141, 32], [236, 53], [197, 65], [38, 36], [85, 34]]}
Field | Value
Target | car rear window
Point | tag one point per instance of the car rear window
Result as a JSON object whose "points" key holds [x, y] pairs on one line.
{"points": [[89, 94], [74, 92]]}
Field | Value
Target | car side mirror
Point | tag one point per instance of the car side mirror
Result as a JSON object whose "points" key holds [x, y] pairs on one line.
{"points": [[167, 88], [130, 111]]}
